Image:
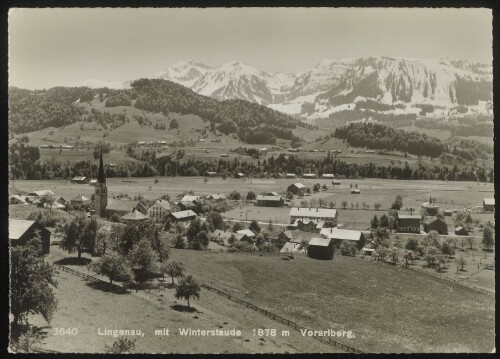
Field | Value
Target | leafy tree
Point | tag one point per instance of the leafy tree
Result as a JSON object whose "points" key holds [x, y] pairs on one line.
{"points": [[384, 221], [381, 254], [470, 241], [344, 204], [48, 199], [27, 340], [232, 240], [163, 250], [316, 187], [377, 205], [488, 240], [113, 266], [332, 204], [374, 223], [188, 287], [254, 226], [174, 124], [79, 234], [179, 241], [251, 196], [408, 257], [412, 244], [215, 218], [235, 195], [432, 239], [398, 203], [461, 261], [123, 345], [431, 255], [200, 241], [348, 249], [324, 187], [394, 255], [173, 269], [270, 226], [381, 234], [195, 227], [237, 227], [30, 284], [447, 249], [143, 256]]}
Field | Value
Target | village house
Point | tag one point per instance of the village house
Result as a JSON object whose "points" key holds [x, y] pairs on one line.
{"points": [[15, 199], [182, 216], [307, 225], [184, 206], [355, 191], [120, 207], [297, 189], [210, 173], [435, 224], [93, 182], [309, 175], [21, 231], [409, 223], [336, 183], [55, 205], [448, 212], [285, 236], [291, 175], [159, 211], [40, 193], [489, 204], [292, 247], [134, 216], [216, 197], [271, 194], [80, 200], [191, 198], [248, 233], [223, 237], [327, 175], [342, 235], [328, 215], [430, 209], [320, 248], [270, 201], [80, 180], [239, 175], [461, 231]]}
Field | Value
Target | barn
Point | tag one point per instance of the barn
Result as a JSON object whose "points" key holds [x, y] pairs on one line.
{"points": [[409, 223], [121, 207], [320, 248], [21, 231], [297, 188], [489, 204], [270, 201], [80, 180], [435, 224], [134, 216], [182, 216], [430, 209], [461, 231]]}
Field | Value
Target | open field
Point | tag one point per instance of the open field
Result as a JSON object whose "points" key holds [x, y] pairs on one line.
{"points": [[88, 308], [424, 314]]}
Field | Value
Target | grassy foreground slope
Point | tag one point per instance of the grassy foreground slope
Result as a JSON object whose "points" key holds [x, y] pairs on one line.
{"points": [[388, 308]]}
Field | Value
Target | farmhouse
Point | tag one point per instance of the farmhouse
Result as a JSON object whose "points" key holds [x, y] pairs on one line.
{"points": [[309, 175], [210, 173], [239, 175], [461, 231], [435, 224], [430, 209], [292, 247], [297, 189], [336, 183], [80, 200], [409, 223], [40, 193], [270, 201], [216, 197], [355, 191], [120, 207], [448, 212], [55, 205], [80, 180], [320, 248], [159, 211], [248, 233], [134, 216], [190, 198], [340, 235], [93, 182], [285, 235], [367, 251], [21, 231], [182, 216], [291, 175], [184, 206], [15, 199], [489, 204], [327, 175], [328, 215], [221, 237], [271, 194]]}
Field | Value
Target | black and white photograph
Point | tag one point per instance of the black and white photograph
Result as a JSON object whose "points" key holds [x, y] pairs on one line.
{"points": [[250, 180]]}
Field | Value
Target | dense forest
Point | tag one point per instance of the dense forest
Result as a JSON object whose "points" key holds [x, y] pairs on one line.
{"points": [[379, 136], [25, 166]]}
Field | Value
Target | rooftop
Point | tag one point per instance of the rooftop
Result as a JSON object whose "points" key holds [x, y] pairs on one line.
{"points": [[321, 242], [347, 234], [17, 227], [313, 212], [183, 214]]}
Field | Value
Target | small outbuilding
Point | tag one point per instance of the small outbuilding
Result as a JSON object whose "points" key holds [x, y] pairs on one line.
{"points": [[21, 231], [435, 224], [461, 231], [320, 248]]}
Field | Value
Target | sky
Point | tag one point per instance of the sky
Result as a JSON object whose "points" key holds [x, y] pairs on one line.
{"points": [[63, 47]]}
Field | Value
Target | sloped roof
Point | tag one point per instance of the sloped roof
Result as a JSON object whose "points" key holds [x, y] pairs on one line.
{"points": [[183, 214], [164, 204], [489, 201], [19, 198], [261, 197], [298, 185], [120, 205], [247, 232], [80, 198], [79, 178], [313, 212], [41, 193], [321, 242], [189, 198], [17, 227], [289, 247], [409, 216], [216, 196], [134, 215], [344, 234]]}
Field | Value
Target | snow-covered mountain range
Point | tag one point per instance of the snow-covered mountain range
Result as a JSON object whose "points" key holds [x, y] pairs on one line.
{"points": [[334, 85]]}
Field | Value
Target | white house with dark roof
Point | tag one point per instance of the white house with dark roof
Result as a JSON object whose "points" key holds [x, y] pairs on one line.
{"points": [[160, 211], [182, 216], [328, 215]]}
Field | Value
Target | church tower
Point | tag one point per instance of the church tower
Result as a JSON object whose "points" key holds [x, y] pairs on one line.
{"points": [[101, 191]]}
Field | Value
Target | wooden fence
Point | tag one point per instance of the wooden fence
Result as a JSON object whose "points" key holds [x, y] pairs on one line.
{"points": [[280, 319]]}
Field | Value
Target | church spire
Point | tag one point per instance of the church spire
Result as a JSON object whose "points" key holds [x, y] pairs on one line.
{"points": [[101, 178]]}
